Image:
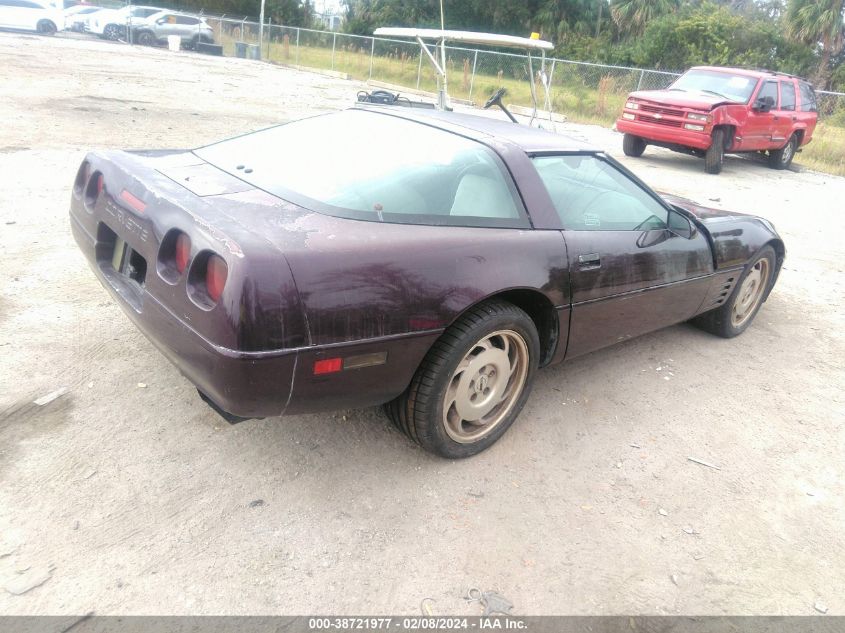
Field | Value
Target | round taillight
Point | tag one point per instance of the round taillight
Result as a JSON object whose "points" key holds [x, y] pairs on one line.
{"points": [[93, 189], [182, 253], [216, 273], [81, 178]]}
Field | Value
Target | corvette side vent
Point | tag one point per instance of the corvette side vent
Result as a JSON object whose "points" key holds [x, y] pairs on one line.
{"points": [[720, 293]]}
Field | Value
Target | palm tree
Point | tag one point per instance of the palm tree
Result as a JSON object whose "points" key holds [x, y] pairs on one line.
{"points": [[631, 16], [820, 23]]}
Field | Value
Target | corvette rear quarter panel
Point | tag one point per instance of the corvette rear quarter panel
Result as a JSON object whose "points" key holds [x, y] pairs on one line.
{"points": [[362, 280]]}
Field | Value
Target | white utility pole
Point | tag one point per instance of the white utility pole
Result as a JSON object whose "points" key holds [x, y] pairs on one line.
{"points": [[260, 30]]}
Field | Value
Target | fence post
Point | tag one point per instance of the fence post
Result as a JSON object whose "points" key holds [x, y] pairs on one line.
{"points": [[220, 29], [297, 46], [472, 77], [243, 26], [334, 41], [640, 82], [419, 70], [372, 54], [269, 36]]}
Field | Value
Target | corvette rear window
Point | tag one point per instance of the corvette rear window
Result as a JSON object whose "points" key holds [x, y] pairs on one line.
{"points": [[369, 166]]}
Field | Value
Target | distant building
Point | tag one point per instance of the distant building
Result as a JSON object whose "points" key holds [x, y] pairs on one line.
{"points": [[330, 20]]}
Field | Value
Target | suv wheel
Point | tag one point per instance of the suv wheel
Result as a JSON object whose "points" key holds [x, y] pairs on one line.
{"points": [[633, 145], [715, 156], [782, 158]]}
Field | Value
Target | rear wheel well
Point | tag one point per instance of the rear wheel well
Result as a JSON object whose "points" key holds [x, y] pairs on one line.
{"points": [[542, 313]]}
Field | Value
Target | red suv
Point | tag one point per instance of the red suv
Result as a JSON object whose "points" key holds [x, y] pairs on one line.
{"points": [[709, 111]]}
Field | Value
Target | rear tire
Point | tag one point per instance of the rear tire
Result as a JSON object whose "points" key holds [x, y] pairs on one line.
{"points": [[782, 158], [715, 155], [633, 145], [473, 382], [46, 27], [738, 312]]}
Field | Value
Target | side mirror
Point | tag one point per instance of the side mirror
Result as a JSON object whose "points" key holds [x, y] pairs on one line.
{"points": [[764, 104], [680, 225]]}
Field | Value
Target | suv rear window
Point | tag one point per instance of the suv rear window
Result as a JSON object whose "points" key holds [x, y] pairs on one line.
{"points": [[808, 97], [370, 166]]}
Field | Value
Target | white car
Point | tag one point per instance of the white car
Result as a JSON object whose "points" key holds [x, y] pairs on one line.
{"points": [[75, 16], [111, 23], [31, 15]]}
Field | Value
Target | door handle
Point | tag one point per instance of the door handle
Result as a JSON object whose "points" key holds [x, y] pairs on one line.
{"points": [[590, 260]]}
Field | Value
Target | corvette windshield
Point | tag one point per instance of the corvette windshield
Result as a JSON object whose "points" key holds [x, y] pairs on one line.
{"points": [[369, 166], [732, 87]]}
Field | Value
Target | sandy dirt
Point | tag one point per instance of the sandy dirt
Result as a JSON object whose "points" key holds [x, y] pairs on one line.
{"points": [[122, 499]]}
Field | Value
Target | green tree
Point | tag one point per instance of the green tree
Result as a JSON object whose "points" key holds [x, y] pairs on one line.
{"points": [[632, 16], [715, 35], [821, 24]]}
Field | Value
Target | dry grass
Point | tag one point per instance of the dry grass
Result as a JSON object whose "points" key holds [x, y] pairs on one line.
{"points": [[826, 152]]}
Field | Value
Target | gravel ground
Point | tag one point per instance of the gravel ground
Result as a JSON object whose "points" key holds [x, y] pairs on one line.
{"points": [[122, 499]]}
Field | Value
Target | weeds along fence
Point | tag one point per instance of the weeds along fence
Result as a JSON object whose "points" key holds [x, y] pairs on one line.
{"points": [[581, 90]]}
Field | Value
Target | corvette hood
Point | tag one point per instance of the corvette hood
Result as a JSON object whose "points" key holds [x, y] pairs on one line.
{"points": [[682, 99], [735, 237], [707, 215]]}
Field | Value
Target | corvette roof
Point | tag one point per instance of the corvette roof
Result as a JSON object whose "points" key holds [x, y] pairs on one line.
{"points": [[530, 139]]}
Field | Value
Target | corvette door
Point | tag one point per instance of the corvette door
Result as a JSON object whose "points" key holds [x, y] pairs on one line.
{"points": [[635, 265]]}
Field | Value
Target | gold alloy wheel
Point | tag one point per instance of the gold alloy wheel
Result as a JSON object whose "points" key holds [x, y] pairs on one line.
{"points": [[485, 386], [750, 293]]}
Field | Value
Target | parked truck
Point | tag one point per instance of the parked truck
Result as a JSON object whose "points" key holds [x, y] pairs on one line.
{"points": [[709, 111]]}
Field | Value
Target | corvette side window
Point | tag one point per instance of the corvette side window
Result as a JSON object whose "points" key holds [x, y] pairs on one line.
{"points": [[590, 194]]}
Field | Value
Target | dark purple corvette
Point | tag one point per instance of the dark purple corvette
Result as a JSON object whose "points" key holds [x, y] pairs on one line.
{"points": [[431, 261]]}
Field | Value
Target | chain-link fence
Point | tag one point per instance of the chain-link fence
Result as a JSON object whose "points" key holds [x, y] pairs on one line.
{"points": [[581, 90]]}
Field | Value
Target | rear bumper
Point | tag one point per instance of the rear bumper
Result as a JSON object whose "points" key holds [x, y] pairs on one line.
{"points": [[264, 383], [665, 135], [246, 384]]}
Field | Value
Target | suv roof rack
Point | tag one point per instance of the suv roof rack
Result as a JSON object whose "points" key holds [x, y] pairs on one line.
{"points": [[776, 73]]}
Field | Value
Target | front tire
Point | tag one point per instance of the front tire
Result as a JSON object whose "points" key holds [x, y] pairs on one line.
{"points": [[737, 313], [633, 145], [46, 27], [473, 382], [714, 158], [782, 158]]}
